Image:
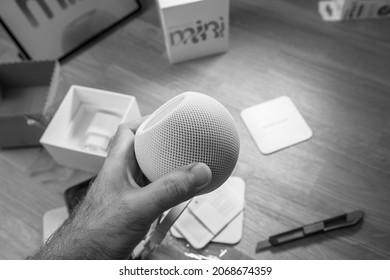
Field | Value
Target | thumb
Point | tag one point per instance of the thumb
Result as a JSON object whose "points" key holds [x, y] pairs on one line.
{"points": [[177, 186]]}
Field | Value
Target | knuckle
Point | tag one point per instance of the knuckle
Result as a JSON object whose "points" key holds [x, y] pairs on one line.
{"points": [[178, 184], [173, 185], [176, 187]]}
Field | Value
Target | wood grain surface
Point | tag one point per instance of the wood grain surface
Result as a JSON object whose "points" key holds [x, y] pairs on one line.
{"points": [[338, 75]]}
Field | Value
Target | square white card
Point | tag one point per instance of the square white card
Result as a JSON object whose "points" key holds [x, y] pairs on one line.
{"points": [[276, 124]]}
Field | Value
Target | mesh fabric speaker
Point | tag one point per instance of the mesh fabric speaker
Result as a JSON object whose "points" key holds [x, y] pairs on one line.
{"points": [[191, 127]]}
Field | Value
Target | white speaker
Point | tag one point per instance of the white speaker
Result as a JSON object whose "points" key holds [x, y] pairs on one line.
{"points": [[191, 127]]}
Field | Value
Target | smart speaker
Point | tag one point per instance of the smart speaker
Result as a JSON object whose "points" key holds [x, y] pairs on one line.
{"points": [[191, 127]]}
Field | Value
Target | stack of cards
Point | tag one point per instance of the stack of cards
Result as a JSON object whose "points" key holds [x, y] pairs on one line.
{"points": [[217, 216]]}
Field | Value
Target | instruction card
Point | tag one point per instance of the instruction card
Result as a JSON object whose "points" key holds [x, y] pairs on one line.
{"points": [[276, 124]]}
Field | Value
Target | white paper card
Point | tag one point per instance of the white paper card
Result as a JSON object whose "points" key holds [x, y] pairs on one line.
{"points": [[52, 220], [231, 234], [276, 124], [217, 216], [195, 233], [216, 211]]}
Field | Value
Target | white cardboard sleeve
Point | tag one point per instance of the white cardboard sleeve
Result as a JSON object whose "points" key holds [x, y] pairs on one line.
{"points": [[194, 28], [64, 136], [340, 10]]}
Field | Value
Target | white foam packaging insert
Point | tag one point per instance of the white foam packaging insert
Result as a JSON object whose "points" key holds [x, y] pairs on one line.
{"points": [[87, 116]]}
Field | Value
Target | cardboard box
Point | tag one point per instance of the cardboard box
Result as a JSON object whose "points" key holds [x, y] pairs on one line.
{"points": [[194, 28], [27, 93], [86, 110], [340, 10]]}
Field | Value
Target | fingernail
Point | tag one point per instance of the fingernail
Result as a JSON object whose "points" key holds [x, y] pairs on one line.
{"points": [[202, 174]]}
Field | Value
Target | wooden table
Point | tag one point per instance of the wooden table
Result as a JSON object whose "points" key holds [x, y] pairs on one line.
{"points": [[338, 75]]}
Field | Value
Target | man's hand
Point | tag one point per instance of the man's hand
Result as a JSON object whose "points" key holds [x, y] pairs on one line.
{"points": [[117, 212]]}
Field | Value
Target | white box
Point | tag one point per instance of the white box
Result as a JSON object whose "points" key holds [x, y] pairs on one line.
{"points": [[66, 133], [339, 10], [194, 28]]}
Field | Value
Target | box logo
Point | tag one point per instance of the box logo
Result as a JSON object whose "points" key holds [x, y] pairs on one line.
{"points": [[198, 32], [384, 10]]}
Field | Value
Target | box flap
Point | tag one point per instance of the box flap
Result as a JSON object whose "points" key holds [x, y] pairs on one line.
{"points": [[23, 101], [26, 73], [28, 88], [28, 95], [21, 134]]}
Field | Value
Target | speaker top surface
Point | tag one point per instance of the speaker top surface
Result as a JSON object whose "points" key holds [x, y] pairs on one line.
{"points": [[191, 127]]}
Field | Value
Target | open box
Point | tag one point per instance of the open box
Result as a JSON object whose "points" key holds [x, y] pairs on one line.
{"points": [[79, 133], [27, 96]]}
